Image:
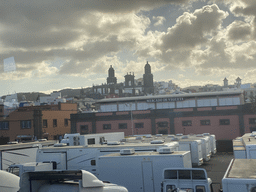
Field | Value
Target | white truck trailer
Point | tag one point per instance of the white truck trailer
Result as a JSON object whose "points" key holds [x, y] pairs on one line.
{"points": [[65, 181], [212, 142], [92, 139], [240, 176], [189, 144], [245, 147], [239, 148], [249, 143], [195, 148], [20, 153], [206, 146], [141, 172], [86, 157]]}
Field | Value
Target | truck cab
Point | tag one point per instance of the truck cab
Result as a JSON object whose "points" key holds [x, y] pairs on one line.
{"points": [[184, 179], [19, 169], [65, 181]]}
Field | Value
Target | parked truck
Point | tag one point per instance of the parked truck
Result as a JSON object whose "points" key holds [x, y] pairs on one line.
{"points": [[184, 179], [19, 169], [92, 139], [65, 181], [212, 142], [195, 148], [141, 172], [240, 176], [248, 150], [20, 153], [206, 146], [86, 157], [9, 182]]}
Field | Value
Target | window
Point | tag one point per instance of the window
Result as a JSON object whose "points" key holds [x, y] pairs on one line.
{"points": [[198, 174], [106, 126], [45, 125], [122, 125], [66, 122], [91, 141], [200, 188], [84, 129], [187, 123], [170, 174], [170, 187], [205, 122], [14, 170], [139, 125], [162, 124], [184, 174], [4, 125], [252, 120], [93, 162], [25, 124], [224, 121], [54, 122]]}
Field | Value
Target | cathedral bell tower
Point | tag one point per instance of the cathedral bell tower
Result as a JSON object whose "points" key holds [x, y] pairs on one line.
{"points": [[148, 80]]}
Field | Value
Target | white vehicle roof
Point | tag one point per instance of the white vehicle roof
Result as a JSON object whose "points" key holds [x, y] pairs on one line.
{"points": [[9, 182], [249, 139], [242, 168]]}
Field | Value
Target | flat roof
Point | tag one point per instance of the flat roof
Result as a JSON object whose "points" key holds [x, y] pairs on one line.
{"points": [[174, 153], [202, 94], [26, 145], [249, 139], [98, 146], [243, 168]]}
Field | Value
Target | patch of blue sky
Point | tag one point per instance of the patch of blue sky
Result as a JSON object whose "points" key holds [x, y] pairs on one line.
{"points": [[127, 55], [170, 13]]}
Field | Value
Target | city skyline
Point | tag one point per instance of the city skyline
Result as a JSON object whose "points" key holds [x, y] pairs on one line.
{"points": [[58, 45]]}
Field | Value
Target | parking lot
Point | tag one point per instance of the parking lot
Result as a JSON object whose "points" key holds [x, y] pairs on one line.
{"points": [[217, 167]]}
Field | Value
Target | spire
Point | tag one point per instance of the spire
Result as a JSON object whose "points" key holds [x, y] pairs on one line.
{"points": [[147, 68]]}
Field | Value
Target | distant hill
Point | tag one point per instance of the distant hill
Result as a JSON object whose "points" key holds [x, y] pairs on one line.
{"points": [[27, 96], [64, 93], [70, 92]]}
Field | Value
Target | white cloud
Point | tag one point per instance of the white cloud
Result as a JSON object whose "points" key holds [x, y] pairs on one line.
{"points": [[159, 20]]}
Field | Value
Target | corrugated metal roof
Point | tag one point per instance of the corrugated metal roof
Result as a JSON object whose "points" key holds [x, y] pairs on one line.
{"points": [[202, 94]]}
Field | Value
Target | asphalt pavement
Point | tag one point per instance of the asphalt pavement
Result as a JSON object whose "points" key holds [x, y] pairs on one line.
{"points": [[217, 167]]}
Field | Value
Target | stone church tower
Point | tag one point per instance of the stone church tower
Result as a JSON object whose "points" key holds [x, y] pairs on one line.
{"points": [[148, 80], [111, 76]]}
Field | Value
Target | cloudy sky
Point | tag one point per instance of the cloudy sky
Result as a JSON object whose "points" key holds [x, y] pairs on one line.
{"points": [[59, 43]]}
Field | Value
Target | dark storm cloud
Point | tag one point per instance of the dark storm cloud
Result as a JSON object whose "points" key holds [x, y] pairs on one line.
{"points": [[239, 30], [74, 31]]}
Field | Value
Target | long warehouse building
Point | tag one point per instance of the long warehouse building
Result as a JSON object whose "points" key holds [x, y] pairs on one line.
{"points": [[221, 113]]}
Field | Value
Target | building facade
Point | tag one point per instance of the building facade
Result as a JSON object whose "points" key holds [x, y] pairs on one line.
{"points": [[221, 113], [36, 122]]}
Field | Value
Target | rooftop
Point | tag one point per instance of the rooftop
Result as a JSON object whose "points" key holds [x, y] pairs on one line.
{"points": [[243, 168], [202, 94]]}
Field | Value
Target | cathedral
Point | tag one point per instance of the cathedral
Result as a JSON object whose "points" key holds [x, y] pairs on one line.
{"points": [[130, 87]]}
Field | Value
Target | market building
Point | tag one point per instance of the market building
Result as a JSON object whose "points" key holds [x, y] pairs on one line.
{"points": [[221, 113]]}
